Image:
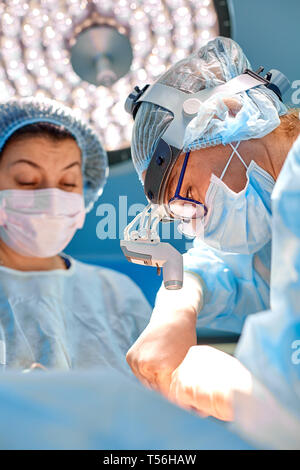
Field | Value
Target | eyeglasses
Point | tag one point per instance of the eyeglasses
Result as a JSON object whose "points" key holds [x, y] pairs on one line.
{"points": [[184, 207]]}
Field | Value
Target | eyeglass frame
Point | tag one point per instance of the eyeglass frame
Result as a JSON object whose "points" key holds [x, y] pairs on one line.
{"points": [[177, 196]]}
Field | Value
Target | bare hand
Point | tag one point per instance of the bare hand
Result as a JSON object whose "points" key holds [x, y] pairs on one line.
{"points": [[161, 348], [206, 381]]}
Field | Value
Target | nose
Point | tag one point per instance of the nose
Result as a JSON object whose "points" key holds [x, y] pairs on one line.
{"points": [[49, 181]]}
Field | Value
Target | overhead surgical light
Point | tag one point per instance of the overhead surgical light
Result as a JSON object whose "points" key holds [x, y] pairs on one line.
{"points": [[89, 54]]}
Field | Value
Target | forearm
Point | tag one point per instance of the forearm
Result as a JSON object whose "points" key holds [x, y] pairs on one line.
{"points": [[167, 338]]}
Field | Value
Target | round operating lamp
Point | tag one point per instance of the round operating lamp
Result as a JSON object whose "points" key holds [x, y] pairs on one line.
{"points": [[89, 54]]}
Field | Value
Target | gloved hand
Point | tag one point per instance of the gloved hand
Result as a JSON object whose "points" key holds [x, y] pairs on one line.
{"points": [[206, 381], [161, 348]]}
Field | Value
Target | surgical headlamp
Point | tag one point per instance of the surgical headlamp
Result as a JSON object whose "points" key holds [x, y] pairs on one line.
{"points": [[143, 245], [184, 107]]}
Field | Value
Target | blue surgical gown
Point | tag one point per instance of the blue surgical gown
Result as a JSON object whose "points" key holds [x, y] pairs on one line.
{"points": [[234, 285], [238, 296], [82, 317]]}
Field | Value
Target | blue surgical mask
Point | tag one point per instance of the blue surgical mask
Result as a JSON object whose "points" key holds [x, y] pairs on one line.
{"points": [[236, 222]]}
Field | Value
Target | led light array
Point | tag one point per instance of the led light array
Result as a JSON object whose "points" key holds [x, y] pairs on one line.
{"points": [[35, 57]]}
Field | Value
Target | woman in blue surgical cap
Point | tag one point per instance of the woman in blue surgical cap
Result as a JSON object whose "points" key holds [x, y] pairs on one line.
{"points": [[243, 164], [55, 311]]}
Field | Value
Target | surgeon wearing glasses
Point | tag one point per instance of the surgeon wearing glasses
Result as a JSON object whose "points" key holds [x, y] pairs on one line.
{"points": [[235, 189]]}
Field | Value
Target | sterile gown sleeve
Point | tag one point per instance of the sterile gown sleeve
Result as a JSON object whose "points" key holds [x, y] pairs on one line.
{"points": [[270, 341], [234, 285]]}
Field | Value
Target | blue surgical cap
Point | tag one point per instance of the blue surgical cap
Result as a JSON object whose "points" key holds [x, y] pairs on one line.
{"points": [[256, 112], [17, 113]]}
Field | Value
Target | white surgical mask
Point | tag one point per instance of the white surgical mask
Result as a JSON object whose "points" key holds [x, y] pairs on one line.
{"points": [[236, 222], [40, 223]]}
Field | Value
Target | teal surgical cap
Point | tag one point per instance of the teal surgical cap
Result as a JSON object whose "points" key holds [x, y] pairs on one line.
{"points": [[251, 114], [17, 113]]}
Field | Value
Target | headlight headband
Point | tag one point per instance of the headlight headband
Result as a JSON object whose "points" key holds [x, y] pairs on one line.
{"points": [[184, 107]]}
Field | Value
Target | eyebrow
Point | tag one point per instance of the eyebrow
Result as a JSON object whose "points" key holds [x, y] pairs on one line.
{"points": [[35, 165], [71, 165]]}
